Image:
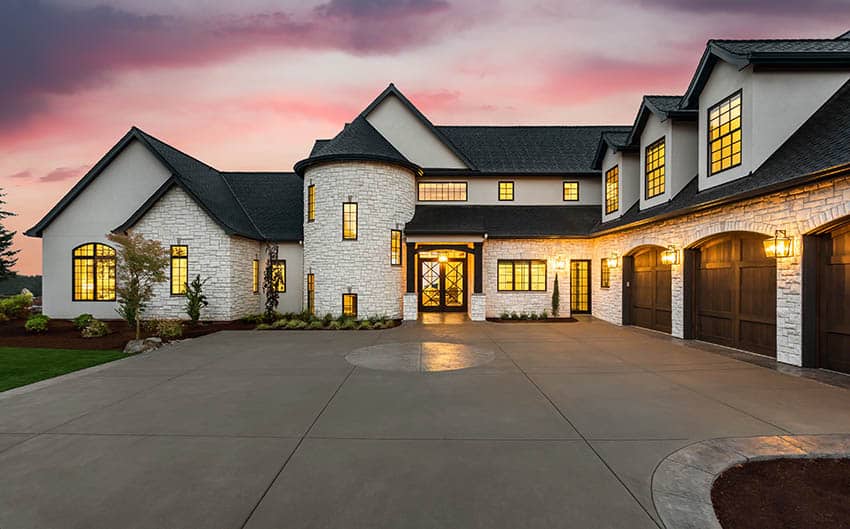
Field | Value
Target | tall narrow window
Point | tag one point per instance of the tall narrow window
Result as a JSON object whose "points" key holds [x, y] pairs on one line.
{"points": [[255, 272], [395, 247], [612, 189], [311, 203], [580, 286], [654, 169], [349, 305], [522, 275], [442, 191], [94, 273], [279, 271], [506, 190], [570, 191], [349, 221], [724, 134], [605, 275], [311, 294], [179, 269]]}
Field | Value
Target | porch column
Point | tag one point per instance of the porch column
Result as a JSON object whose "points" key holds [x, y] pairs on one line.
{"points": [[478, 257], [478, 301], [411, 268]]}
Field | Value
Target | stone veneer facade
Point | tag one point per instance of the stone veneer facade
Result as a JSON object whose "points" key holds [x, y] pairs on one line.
{"points": [[385, 195]]}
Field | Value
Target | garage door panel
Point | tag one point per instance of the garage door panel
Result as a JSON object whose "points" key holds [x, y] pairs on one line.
{"points": [[758, 291], [716, 329], [757, 336], [834, 300], [715, 289], [663, 292], [650, 295], [836, 352]]}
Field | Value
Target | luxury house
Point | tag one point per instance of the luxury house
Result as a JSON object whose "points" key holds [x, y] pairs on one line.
{"points": [[722, 214]]}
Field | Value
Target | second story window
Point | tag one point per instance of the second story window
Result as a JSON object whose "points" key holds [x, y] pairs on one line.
{"points": [[349, 221], [395, 247], [442, 191], [724, 134], [179, 269], [506, 190], [311, 203], [570, 191], [612, 189], [654, 169]]}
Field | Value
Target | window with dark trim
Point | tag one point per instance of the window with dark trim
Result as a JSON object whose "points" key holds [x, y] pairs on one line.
{"points": [[311, 203], [612, 189], [94, 273], [570, 191], [654, 169], [395, 247], [517, 275], [179, 269], [441, 191], [349, 221], [311, 294], [279, 267], [349, 305], [255, 276], [506, 191], [605, 275], [724, 134]]}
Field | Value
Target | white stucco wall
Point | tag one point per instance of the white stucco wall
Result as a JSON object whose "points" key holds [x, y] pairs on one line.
{"points": [[133, 176], [654, 130], [774, 105], [682, 155], [410, 136], [630, 176], [528, 191]]}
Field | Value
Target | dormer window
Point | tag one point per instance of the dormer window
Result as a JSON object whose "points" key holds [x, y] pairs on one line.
{"points": [[724, 134], [612, 189], [654, 169]]}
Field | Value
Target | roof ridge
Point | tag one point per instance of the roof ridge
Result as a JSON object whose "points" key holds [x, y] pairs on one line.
{"points": [[533, 126], [152, 137], [775, 40]]}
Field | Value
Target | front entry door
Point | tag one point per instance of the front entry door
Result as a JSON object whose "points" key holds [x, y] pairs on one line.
{"points": [[442, 285]]}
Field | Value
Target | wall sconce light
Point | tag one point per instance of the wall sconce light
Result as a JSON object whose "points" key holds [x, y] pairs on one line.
{"points": [[614, 260], [442, 258], [780, 245], [670, 256], [560, 263]]}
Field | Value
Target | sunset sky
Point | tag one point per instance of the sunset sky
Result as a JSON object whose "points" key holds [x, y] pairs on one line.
{"points": [[249, 84]]}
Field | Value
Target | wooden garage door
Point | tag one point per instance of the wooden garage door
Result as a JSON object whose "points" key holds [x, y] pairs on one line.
{"points": [[834, 301], [651, 300], [736, 294]]}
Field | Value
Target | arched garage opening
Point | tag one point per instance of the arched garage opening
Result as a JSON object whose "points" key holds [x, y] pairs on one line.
{"points": [[826, 297], [730, 285], [647, 300]]}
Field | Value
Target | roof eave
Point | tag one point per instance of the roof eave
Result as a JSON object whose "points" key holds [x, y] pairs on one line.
{"points": [[302, 165]]}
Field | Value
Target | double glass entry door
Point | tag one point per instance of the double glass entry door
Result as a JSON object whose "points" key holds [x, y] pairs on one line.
{"points": [[442, 285]]}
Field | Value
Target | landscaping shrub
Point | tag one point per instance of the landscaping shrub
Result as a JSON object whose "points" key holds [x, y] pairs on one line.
{"points": [[544, 315], [264, 327], [82, 321], [523, 316], [366, 325], [195, 298], [514, 316], [166, 329], [335, 325], [17, 306], [95, 329], [296, 324], [348, 324], [37, 323], [280, 324], [327, 319], [504, 315], [556, 298], [316, 325], [533, 316]]}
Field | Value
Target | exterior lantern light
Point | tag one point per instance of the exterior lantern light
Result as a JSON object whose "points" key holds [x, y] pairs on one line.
{"points": [[614, 260], [442, 258], [670, 256], [780, 245], [560, 263]]}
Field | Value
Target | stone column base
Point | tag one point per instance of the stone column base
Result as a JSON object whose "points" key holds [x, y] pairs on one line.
{"points": [[410, 307], [478, 307]]}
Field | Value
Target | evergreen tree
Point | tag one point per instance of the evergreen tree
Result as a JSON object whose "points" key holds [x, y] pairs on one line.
{"points": [[556, 297], [8, 256]]}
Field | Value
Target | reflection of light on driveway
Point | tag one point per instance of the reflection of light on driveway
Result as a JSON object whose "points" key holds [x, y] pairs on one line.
{"points": [[423, 357]]}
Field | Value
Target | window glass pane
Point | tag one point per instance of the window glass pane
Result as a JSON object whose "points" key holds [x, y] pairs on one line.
{"points": [[279, 271], [93, 273], [724, 134], [605, 276], [84, 279], [311, 203], [255, 272], [179, 269], [442, 191], [506, 190], [521, 275], [506, 275], [538, 275], [349, 305], [612, 189], [654, 169], [395, 247], [311, 294], [570, 191], [349, 220]]}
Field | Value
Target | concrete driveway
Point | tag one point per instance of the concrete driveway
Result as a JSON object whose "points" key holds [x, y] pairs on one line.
{"points": [[558, 425]]}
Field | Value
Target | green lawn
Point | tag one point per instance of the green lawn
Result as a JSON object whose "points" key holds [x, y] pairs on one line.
{"points": [[23, 365]]}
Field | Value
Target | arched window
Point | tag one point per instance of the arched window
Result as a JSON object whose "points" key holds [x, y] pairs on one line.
{"points": [[94, 272]]}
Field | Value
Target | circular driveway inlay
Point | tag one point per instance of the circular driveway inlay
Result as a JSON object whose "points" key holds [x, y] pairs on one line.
{"points": [[420, 356]]}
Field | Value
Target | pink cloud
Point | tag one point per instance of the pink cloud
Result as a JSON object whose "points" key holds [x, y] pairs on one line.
{"points": [[63, 173], [21, 175]]}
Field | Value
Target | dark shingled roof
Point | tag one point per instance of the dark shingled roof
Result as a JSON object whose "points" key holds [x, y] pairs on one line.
{"points": [[663, 103], [753, 48], [504, 221], [273, 201], [529, 149], [616, 141]]}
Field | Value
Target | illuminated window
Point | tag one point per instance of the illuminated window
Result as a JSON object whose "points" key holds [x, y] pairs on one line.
{"points": [[279, 274], [506, 190], [612, 189], [579, 286], [522, 275], [724, 134], [349, 305], [570, 191], [349, 220], [395, 247], [654, 165], [311, 203], [605, 276], [311, 294], [255, 281], [442, 191], [179, 269], [94, 273]]}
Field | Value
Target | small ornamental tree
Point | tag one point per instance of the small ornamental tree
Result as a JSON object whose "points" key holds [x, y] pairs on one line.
{"points": [[556, 298], [271, 279], [8, 256], [195, 298], [141, 264]]}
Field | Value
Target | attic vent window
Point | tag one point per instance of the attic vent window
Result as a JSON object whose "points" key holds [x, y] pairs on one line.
{"points": [[724, 134]]}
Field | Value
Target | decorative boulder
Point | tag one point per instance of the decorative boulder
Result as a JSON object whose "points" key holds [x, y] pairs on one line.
{"points": [[140, 346]]}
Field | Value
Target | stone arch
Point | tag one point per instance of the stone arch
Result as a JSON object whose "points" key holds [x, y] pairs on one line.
{"points": [[640, 247], [714, 229], [824, 219]]}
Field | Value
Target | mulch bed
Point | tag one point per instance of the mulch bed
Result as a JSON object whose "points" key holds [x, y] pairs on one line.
{"points": [[547, 320], [61, 334], [784, 494]]}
